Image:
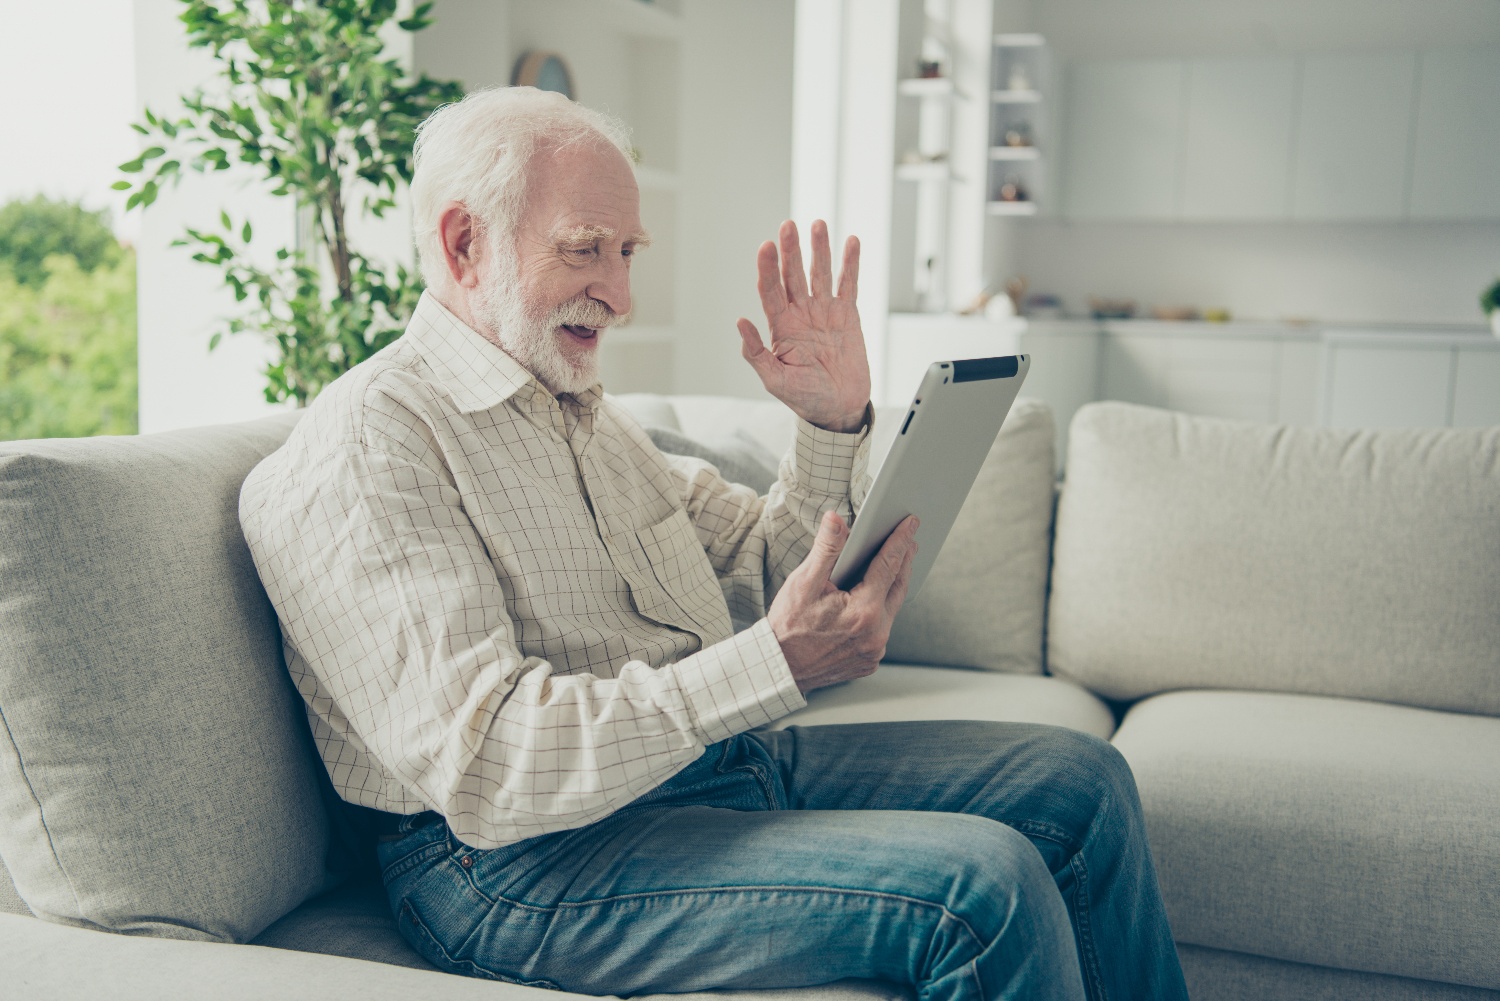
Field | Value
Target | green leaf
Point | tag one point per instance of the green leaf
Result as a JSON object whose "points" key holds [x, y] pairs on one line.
{"points": [[122, 186], [152, 153], [213, 342], [224, 219], [245, 232]]}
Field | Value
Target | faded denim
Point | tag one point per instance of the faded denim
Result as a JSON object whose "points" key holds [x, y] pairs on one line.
{"points": [[969, 860]]}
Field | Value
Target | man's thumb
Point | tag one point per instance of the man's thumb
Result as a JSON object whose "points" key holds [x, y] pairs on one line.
{"points": [[832, 534]]}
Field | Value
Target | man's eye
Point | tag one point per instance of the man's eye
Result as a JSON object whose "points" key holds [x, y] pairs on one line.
{"points": [[627, 251], [581, 252]]}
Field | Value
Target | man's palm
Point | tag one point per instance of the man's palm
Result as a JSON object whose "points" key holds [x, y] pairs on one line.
{"points": [[816, 363]]}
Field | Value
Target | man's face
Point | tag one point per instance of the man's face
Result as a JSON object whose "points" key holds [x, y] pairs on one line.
{"points": [[549, 298]]}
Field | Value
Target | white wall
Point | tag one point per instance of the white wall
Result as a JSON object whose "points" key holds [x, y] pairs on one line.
{"points": [[735, 184], [1355, 272]]}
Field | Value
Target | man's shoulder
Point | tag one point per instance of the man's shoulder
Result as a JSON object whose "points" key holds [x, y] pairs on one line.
{"points": [[367, 406]]}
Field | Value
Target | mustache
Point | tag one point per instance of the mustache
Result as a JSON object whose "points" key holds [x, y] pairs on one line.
{"points": [[585, 312]]}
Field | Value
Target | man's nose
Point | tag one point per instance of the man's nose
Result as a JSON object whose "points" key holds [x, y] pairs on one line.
{"points": [[612, 287]]}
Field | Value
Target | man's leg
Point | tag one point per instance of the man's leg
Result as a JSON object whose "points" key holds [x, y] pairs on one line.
{"points": [[1070, 793], [711, 882]]}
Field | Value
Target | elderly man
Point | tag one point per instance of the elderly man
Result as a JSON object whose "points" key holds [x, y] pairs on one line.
{"points": [[510, 618]]}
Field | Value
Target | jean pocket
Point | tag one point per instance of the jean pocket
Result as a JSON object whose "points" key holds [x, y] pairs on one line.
{"points": [[415, 931]]}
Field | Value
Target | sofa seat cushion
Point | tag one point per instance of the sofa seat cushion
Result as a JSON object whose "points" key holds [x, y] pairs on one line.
{"points": [[913, 692], [1340, 833], [157, 775], [354, 921]]}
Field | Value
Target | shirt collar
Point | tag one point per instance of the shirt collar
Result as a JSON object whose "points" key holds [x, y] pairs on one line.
{"points": [[477, 374]]}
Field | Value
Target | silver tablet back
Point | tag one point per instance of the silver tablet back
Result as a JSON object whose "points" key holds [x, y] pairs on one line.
{"points": [[946, 435]]}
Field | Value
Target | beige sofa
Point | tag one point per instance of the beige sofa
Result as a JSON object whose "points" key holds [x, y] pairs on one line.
{"points": [[1293, 636]]}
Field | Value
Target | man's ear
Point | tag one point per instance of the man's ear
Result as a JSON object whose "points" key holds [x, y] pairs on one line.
{"points": [[461, 244]]}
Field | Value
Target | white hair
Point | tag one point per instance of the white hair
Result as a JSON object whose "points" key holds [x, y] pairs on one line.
{"points": [[477, 152]]}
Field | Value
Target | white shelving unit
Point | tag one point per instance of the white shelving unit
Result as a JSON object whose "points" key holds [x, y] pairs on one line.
{"points": [[1019, 75]]}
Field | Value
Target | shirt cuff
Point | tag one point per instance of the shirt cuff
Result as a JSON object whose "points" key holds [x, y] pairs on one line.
{"points": [[738, 684], [825, 461]]}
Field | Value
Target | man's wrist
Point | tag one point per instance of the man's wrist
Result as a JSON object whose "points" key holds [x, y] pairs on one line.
{"points": [[851, 424]]}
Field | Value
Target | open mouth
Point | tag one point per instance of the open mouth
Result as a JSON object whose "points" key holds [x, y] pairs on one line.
{"points": [[586, 335]]}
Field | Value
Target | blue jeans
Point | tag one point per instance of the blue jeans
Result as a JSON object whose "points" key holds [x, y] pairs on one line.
{"points": [[970, 861]]}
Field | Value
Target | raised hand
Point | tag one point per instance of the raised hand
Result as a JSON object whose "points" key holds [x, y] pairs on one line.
{"points": [[816, 362]]}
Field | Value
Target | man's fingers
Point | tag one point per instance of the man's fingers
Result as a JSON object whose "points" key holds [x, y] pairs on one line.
{"points": [[897, 594], [887, 563], [832, 534], [792, 274], [849, 270], [821, 275], [768, 280], [753, 349]]}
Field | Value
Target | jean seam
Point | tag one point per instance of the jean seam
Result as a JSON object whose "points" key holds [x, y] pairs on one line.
{"points": [[1089, 955], [767, 888]]}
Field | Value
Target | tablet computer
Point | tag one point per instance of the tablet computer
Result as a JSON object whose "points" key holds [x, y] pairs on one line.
{"points": [[944, 439]]}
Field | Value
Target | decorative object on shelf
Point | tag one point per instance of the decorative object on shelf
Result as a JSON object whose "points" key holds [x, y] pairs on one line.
{"points": [[1111, 309], [1019, 81], [1018, 134], [913, 156], [999, 308], [977, 304], [929, 69], [1015, 290], [1177, 314], [1489, 300], [544, 71], [1218, 314], [1013, 191], [1043, 306]]}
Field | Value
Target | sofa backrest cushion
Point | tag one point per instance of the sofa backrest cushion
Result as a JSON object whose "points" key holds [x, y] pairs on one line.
{"points": [[984, 604], [1193, 552], [157, 774]]}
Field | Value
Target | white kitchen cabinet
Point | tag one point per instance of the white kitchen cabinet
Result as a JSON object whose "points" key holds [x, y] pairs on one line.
{"points": [[1353, 135], [1476, 387], [1298, 382], [1374, 386], [1238, 143], [1064, 370], [1134, 368], [1456, 161], [1122, 152]]}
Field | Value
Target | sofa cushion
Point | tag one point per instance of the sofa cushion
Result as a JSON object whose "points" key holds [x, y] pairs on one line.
{"points": [[1356, 835], [353, 920], [910, 692], [156, 771], [1193, 552]]}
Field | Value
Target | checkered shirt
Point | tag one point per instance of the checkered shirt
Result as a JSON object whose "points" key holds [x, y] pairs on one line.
{"points": [[510, 607]]}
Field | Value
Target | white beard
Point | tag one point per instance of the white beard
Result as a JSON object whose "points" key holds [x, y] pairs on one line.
{"points": [[528, 333]]}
